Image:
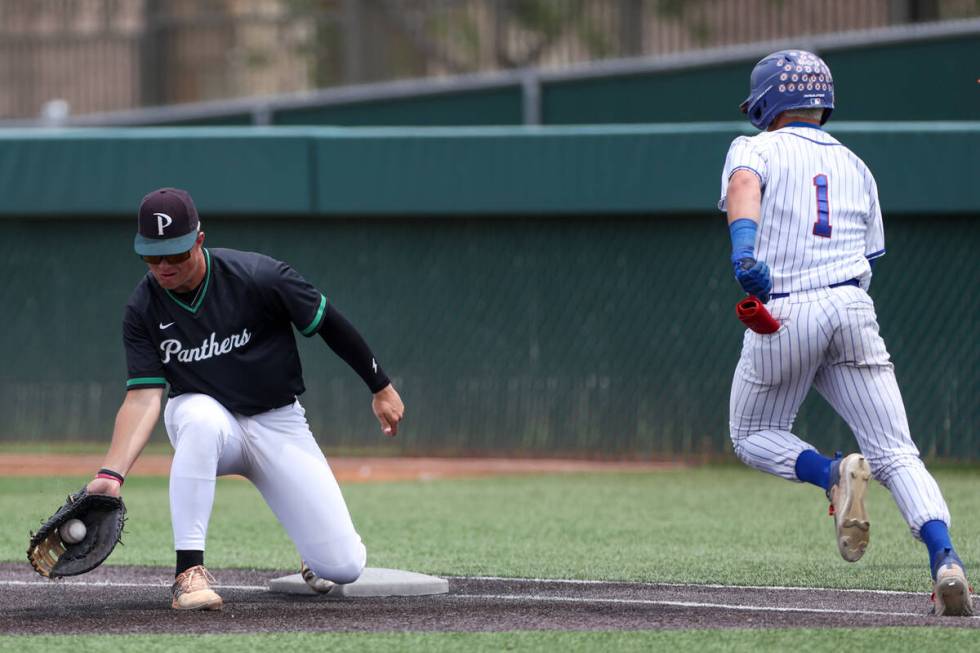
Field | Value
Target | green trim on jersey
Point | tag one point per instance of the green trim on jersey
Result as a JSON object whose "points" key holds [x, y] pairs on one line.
{"points": [[315, 324], [204, 290], [146, 380]]}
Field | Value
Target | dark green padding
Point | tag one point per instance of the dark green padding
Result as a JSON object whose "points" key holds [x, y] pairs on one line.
{"points": [[453, 172]]}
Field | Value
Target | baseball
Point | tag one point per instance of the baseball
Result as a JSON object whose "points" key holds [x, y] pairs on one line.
{"points": [[72, 531]]}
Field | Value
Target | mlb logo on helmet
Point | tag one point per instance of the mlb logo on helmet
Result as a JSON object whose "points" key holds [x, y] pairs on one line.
{"points": [[768, 97], [168, 223]]}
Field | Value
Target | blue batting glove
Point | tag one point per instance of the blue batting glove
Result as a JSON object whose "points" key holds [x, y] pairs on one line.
{"points": [[754, 278]]}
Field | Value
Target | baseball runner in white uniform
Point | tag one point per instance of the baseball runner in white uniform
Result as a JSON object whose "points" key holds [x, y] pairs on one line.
{"points": [[216, 325], [806, 228]]}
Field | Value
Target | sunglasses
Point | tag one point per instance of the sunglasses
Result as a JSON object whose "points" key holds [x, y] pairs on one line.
{"points": [[172, 259]]}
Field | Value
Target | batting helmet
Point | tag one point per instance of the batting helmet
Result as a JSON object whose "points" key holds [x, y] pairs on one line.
{"points": [[788, 79]]}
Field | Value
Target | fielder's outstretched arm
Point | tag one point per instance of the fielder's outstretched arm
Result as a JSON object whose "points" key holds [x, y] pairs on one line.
{"points": [[134, 423]]}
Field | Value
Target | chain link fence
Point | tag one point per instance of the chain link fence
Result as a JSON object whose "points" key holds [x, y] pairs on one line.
{"points": [[83, 56], [601, 336]]}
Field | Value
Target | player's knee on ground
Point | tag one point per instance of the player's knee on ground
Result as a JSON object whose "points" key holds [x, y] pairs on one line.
{"points": [[342, 561]]}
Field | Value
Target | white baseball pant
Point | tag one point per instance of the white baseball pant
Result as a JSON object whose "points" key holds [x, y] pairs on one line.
{"points": [[276, 451]]}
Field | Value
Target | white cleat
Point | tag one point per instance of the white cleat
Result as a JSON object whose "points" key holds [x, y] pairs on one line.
{"points": [[847, 490]]}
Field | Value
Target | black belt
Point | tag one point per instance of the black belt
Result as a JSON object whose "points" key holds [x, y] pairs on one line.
{"points": [[849, 282]]}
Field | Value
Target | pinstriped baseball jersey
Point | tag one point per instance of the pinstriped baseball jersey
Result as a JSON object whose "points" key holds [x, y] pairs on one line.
{"points": [[820, 220], [819, 225]]}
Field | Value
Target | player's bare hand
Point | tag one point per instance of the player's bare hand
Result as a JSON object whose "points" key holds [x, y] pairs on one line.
{"points": [[103, 486], [388, 408]]}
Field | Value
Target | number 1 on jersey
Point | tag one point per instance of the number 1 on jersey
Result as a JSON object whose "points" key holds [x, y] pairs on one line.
{"points": [[822, 226]]}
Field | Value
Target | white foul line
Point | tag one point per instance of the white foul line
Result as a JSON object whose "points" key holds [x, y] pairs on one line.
{"points": [[573, 581], [107, 583], [685, 604], [568, 581]]}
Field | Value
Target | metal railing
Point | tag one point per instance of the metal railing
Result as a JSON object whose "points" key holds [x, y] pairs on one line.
{"points": [[59, 56]]}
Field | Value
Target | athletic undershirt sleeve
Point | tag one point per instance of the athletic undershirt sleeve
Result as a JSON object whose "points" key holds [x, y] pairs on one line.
{"points": [[287, 292], [345, 341], [743, 154], [143, 366]]}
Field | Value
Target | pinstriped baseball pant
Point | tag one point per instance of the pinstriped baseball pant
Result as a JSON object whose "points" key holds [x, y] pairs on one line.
{"points": [[829, 339]]}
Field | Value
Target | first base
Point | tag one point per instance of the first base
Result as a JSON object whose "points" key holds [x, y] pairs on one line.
{"points": [[374, 581]]}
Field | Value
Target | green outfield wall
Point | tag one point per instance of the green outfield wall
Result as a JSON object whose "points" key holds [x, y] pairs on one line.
{"points": [[538, 292], [449, 171]]}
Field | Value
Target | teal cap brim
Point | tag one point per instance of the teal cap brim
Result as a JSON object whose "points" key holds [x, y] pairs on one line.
{"points": [[164, 247]]}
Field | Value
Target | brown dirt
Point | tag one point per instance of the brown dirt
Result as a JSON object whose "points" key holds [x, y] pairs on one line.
{"points": [[117, 600], [349, 470]]}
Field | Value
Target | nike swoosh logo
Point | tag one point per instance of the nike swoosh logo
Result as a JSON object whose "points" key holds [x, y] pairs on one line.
{"points": [[166, 326]]}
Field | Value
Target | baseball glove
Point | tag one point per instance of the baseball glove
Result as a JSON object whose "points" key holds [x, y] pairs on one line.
{"points": [[103, 517]]}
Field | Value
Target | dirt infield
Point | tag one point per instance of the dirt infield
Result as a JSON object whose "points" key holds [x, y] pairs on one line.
{"points": [[349, 470], [117, 600]]}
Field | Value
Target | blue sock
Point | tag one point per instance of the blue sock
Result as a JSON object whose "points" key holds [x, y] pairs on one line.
{"points": [[935, 534], [813, 467]]}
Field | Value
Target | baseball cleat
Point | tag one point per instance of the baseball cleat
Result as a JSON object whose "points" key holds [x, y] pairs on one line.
{"points": [[192, 591], [317, 584], [951, 593], [848, 484]]}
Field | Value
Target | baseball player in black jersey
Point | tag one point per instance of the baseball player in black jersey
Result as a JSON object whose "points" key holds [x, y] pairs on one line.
{"points": [[216, 325]]}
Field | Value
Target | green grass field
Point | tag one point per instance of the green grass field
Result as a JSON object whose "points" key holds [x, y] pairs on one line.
{"points": [[703, 641], [720, 524]]}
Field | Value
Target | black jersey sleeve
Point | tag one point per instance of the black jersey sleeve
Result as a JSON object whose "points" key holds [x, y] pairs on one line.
{"points": [[345, 341], [286, 291], [143, 366]]}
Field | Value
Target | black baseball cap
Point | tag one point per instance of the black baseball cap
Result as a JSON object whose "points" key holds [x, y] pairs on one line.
{"points": [[168, 223]]}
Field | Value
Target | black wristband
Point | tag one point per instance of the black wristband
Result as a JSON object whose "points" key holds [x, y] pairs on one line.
{"points": [[104, 472], [341, 336]]}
